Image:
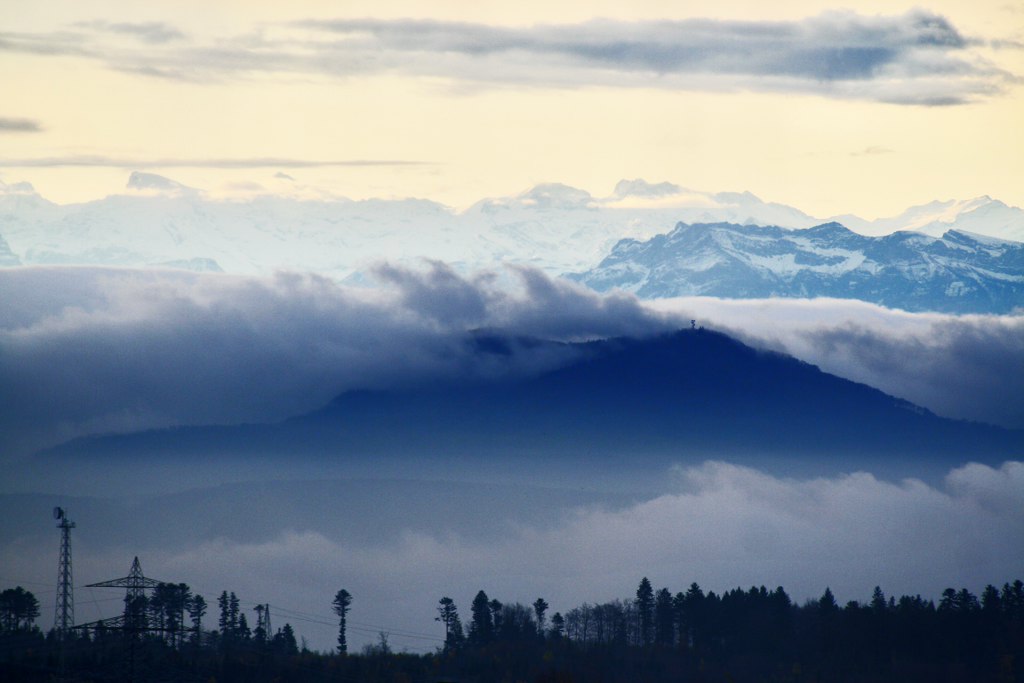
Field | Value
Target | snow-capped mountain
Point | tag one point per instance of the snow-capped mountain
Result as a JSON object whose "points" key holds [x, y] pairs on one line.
{"points": [[7, 257], [957, 273], [981, 215], [158, 222], [551, 226]]}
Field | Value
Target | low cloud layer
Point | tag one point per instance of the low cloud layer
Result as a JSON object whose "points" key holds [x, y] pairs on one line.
{"points": [[965, 367], [95, 350], [721, 525], [86, 350], [918, 57], [726, 526]]}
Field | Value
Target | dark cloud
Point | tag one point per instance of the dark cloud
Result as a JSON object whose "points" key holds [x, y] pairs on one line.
{"points": [[8, 125], [87, 350], [170, 162], [914, 58]]}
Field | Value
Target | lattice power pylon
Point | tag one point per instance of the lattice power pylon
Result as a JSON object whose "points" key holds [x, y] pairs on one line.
{"points": [[263, 619], [64, 612], [134, 618], [134, 621]]}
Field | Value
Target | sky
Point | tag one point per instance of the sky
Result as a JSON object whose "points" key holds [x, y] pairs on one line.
{"points": [[864, 108]]}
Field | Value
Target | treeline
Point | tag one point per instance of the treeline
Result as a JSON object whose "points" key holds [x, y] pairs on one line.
{"points": [[753, 634]]}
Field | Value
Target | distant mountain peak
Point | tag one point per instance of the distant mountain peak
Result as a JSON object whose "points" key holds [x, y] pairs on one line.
{"points": [[142, 181], [639, 187], [957, 273], [744, 197], [23, 187], [556, 196]]}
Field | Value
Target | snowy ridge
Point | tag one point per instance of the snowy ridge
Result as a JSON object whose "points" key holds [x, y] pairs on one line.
{"points": [[555, 227], [955, 273]]}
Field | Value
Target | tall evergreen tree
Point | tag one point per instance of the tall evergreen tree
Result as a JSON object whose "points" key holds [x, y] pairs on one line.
{"points": [[342, 600], [540, 608], [196, 610], [557, 625], [496, 616], [234, 613], [242, 631], [664, 618], [448, 615], [481, 625], [224, 620], [645, 611]]}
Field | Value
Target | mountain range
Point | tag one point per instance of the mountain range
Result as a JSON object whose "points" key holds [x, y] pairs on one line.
{"points": [[956, 273], [635, 405], [952, 256], [159, 222]]}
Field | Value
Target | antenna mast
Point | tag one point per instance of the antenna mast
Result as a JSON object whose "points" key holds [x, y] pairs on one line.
{"points": [[64, 613]]}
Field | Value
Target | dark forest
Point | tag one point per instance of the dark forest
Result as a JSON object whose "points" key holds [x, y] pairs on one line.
{"points": [[754, 634]]}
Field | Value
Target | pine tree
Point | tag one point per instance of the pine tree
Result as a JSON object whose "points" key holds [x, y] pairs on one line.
{"points": [[342, 600], [224, 620], [557, 625], [233, 614], [481, 625], [448, 615], [664, 618], [540, 608], [645, 610], [496, 617], [196, 610]]}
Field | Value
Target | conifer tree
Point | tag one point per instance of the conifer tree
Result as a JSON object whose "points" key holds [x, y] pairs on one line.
{"points": [[342, 600], [448, 615], [645, 610], [481, 626], [540, 608]]}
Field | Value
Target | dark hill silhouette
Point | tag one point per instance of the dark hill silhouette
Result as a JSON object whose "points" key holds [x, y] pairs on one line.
{"points": [[681, 396]]}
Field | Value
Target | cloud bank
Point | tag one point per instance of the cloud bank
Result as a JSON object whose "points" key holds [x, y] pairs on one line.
{"points": [[915, 58], [93, 350], [721, 525], [965, 367], [86, 350], [726, 526]]}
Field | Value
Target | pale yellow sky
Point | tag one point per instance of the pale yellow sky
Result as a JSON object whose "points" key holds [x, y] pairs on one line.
{"points": [[797, 141]]}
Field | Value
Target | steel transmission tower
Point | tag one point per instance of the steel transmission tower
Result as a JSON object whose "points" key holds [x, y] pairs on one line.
{"points": [[263, 620], [64, 614]]}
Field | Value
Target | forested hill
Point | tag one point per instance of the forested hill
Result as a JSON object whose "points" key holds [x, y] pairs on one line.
{"points": [[693, 393]]}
